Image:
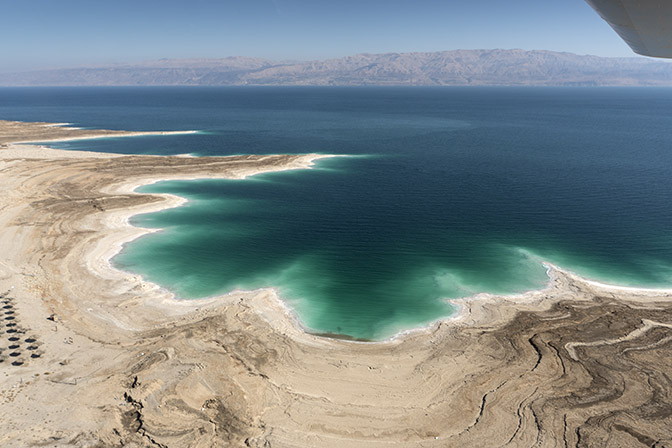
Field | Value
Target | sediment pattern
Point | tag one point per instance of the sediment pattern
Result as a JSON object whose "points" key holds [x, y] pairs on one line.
{"points": [[580, 374], [122, 364]]}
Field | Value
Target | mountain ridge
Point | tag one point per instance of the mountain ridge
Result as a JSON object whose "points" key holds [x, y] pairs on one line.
{"points": [[448, 68]]}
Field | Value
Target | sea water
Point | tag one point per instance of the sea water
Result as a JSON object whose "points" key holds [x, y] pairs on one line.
{"points": [[448, 192]]}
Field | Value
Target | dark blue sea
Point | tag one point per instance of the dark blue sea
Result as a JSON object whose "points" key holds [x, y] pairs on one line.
{"points": [[449, 192]]}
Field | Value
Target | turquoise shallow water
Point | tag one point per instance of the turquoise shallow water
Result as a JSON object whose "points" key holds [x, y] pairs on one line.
{"points": [[343, 271], [453, 192]]}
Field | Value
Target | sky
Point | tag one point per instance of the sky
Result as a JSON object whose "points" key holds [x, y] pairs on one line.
{"points": [[37, 34]]}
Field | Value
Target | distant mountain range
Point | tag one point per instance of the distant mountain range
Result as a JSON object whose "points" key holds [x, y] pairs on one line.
{"points": [[445, 68]]}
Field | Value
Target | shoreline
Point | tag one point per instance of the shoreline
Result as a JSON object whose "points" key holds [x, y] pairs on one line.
{"points": [[306, 161], [173, 201], [121, 220], [19, 132], [120, 134], [120, 362], [527, 296]]}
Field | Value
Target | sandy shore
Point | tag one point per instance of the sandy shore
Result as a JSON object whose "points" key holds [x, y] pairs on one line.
{"points": [[92, 356]]}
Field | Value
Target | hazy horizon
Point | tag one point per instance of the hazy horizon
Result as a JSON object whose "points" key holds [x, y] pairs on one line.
{"points": [[142, 62], [76, 33]]}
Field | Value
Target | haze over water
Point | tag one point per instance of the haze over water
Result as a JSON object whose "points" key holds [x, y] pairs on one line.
{"points": [[453, 192]]}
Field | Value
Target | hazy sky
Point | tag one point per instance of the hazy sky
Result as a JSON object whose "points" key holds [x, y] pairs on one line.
{"points": [[58, 33]]}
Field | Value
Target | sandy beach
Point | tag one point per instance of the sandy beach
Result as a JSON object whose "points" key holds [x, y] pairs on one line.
{"points": [[92, 356]]}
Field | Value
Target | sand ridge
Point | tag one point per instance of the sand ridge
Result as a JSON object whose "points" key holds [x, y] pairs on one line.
{"points": [[121, 363]]}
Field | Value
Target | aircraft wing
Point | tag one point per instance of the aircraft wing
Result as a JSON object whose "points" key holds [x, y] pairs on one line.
{"points": [[645, 25]]}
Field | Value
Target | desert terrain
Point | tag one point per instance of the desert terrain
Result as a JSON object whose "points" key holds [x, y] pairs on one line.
{"points": [[94, 357]]}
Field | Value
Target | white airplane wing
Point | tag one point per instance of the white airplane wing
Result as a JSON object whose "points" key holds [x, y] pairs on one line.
{"points": [[645, 25]]}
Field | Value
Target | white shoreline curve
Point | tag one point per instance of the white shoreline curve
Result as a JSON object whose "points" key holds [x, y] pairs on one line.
{"points": [[461, 304], [121, 221], [98, 137]]}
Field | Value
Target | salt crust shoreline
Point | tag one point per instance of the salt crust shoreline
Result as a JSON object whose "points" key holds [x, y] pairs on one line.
{"points": [[122, 219], [99, 261], [121, 134], [121, 362], [462, 304]]}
